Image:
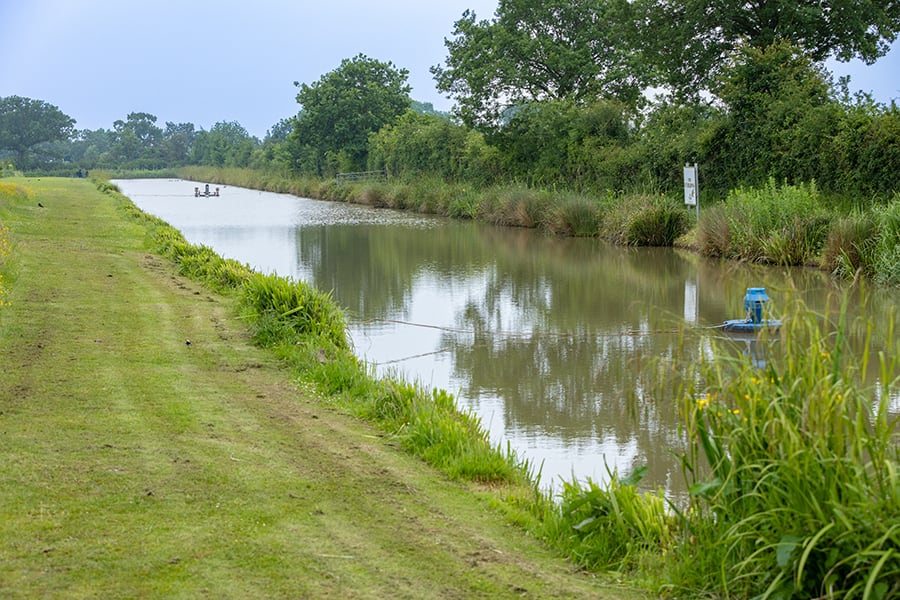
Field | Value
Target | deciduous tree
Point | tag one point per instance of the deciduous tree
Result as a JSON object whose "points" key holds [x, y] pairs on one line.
{"points": [[25, 123], [341, 109], [578, 50], [690, 41]]}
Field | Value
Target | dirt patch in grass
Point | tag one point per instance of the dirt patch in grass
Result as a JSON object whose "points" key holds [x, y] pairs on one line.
{"points": [[137, 464]]}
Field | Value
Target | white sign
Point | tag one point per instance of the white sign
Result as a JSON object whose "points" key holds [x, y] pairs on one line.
{"points": [[690, 185]]}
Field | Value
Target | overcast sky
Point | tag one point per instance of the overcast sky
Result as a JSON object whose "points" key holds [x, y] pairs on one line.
{"points": [[205, 61]]}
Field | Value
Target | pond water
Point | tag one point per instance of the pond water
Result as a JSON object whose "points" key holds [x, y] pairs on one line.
{"points": [[546, 339]]}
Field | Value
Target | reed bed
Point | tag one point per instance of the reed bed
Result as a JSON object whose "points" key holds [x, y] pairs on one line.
{"points": [[638, 219], [794, 467], [782, 225]]}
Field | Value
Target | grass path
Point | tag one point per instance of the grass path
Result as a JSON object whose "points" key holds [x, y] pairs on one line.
{"points": [[136, 465]]}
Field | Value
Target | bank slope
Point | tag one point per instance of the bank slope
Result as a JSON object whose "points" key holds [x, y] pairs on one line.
{"points": [[138, 465]]}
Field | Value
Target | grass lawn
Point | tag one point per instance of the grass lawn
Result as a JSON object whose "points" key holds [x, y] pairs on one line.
{"points": [[137, 465]]}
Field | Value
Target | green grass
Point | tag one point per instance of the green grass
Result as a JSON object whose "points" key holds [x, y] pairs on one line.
{"points": [[782, 225], [136, 465], [792, 468], [801, 493]]}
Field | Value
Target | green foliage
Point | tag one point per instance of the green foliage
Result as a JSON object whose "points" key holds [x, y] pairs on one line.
{"points": [[645, 221], [10, 193], [25, 124], [535, 51], [779, 225], [851, 245], [225, 145], [137, 137], [565, 143], [579, 216], [794, 467], [295, 303], [342, 109], [420, 145], [864, 155], [689, 42], [610, 527], [887, 257], [779, 117]]}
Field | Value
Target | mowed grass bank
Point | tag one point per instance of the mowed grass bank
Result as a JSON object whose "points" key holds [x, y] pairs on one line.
{"points": [[138, 465]]}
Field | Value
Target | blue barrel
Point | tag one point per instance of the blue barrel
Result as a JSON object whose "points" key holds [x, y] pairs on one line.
{"points": [[755, 301]]}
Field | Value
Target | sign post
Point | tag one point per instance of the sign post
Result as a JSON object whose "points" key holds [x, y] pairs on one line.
{"points": [[691, 187]]}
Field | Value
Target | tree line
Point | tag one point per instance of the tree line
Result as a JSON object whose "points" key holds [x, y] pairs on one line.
{"points": [[556, 94]]}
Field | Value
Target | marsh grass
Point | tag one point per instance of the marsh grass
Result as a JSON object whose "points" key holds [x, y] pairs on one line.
{"points": [[783, 225], [643, 220], [574, 215], [851, 245], [793, 469], [615, 526]]}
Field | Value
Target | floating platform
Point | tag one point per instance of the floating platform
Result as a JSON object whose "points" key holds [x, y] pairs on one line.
{"points": [[750, 326], [755, 301], [205, 193]]}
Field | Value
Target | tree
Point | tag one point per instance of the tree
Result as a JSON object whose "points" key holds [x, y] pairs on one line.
{"points": [[780, 117], [177, 142], [26, 123], [341, 109], [88, 148], [533, 50], [227, 144], [136, 137], [430, 145], [578, 145], [691, 41]]}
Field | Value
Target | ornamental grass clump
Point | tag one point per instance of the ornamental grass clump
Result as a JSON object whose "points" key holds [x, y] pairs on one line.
{"points": [[644, 220], [574, 215], [794, 468]]}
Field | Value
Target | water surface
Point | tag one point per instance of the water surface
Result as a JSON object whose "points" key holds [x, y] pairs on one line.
{"points": [[551, 342]]}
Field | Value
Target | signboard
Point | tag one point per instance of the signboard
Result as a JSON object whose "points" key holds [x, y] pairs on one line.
{"points": [[690, 185]]}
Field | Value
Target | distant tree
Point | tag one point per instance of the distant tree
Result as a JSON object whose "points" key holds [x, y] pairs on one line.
{"points": [[26, 123], [89, 147], [427, 108], [340, 111], [534, 50], [691, 41], [280, 131], [136, 137], [227, 144], [417, 145], [177, 142]]}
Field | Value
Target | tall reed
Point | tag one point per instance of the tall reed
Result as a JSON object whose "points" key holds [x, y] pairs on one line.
{"points": [[794, 467], [784, 225]]}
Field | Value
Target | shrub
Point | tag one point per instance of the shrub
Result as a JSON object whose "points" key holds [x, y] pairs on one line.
{"points": [[611, 527]]}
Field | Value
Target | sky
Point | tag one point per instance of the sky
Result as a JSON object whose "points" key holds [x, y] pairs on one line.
{"points": [[209, 61]]}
